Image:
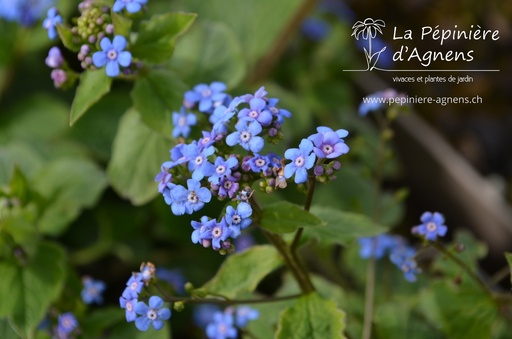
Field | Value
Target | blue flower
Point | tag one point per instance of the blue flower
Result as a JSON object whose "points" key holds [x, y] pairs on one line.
{"points": [[129, 306], [328, 143], [132, 6], [51, 21], [220, 232], [25, 12], [409, 267], [208, 97], [432, 226], [376, 101], [164, 177], [191, 199], [182, 122], [201, 229], [154, 315], [67, 323], [302, 159], [113, 55], [220, 117], [92, 290], [228, 186], [207, 140], [244, 314], [221, 327], [238, 219], [198, 163], [133, 287], [222, 168], [259, 163], [402, 255], [375, 247], [278, 112], [246, 135], [261, 93], [257, 112], [54, 58], [203, 314], [244, 241]]}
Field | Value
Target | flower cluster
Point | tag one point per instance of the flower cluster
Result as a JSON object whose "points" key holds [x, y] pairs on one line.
{"points": [[225, 324], [400, 253], [92, 291], [24, 12], [137, 311], [229, 157], [93, 39]]}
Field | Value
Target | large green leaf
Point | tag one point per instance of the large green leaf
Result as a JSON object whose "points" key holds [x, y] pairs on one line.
{"points": [[69, 185], [155, 96], [6, 331], [312, 317], [27, 291], [156, 38], [342, 227], [241, 272], [209, 52], [137, 154], [93, 85], [285, 217], [122, 25]]}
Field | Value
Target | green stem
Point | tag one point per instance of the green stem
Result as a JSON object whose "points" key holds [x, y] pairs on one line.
{"points": [[307, 206], [369, 299], [500, 275], [463, 266], [229, 301], [268, 62]]}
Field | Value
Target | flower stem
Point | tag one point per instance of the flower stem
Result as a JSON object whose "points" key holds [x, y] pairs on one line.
{"points": [[228, 301], [307, 206], [369, 299]]}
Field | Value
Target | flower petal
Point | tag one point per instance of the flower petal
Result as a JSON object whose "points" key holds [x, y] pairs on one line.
{"points": [[112, 68], [124, 58]]}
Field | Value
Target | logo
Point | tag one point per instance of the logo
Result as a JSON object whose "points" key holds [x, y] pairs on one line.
{"points": [[410, 46]]}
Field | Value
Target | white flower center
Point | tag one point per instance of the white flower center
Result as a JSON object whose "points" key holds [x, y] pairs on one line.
{"points": [[260, 162], [245, 136], [192, 197], [220, 169], [253, 114], [217, 232], [205, 140], [431, 226], [227, 184], [134, 285], [327, 149], [129, 306], [112, 54], [236, 219], [199, 160], [274, 110], [152, 315], [299, 162], [182, 121], [206, 93]]}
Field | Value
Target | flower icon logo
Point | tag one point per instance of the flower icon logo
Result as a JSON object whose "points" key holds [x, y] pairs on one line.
{"points": [[367, 30]]}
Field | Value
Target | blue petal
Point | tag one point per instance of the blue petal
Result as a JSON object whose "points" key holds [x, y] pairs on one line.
{"points": [[289, 170], [257, 104], [254, 128], [158, 324], [112, 68], [141, 308], [133, 7], [192, 96], [99, 59], [164, 314], [426, 217], [244, 210], [124, 58], [142, 323], [310, 161], [204, 194], [155, 302], [105, 44], [301, 175], [233, 139], [217, 86], [292, 153], [118, 6], [256, 144], [205, 105], [119, 43]]}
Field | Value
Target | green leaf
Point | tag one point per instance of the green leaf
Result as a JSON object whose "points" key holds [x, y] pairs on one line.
{"points": [[312, 317], [128, 330], [27, 292], [157, 37], [122, 25], [285, 217], [209, 52], [342, 227], [66, 37], [155, 96], [508, 256], [69, 185], [100, 320], [6, 331], [241, 272], [93, 85], [20, 154], [137, 154]]}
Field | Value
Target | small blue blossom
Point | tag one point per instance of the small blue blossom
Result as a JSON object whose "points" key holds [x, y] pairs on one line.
{"points": [[256, 112], [24, 12], [279, 113], [174, 277], [328, 143], [259, 163], [66, 324], [92, 291], [132, 6], [244, 314], [221, 327], [409, 267], [220, 117], [220, 232], [129, 306], [302, 159], [261, 93], [182, 122], [198, 163], [54, 58], [154, 314], [133, 287], [432, 226], [315, 29], [222, 168], [238, 219], [203, 314], [402, 255], [375, 247], [207, 140], [208, 97], [178, 154], [246, 135], [201, 229], [191, 199], [228, 187], [244, 241], [112, 54], [164, 177], [51, 21]]}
